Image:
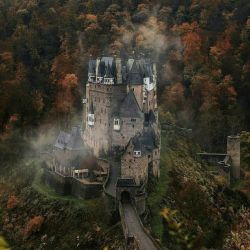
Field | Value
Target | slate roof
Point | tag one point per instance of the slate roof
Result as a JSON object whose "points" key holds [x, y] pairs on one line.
{"points": [[130, 107], [107, 60], [92, 66], [62, 140], [133, 70], [150, 118], [101, 68], [108, 72], [70, 141], [135, 75], [125, 182], [145, 142]]}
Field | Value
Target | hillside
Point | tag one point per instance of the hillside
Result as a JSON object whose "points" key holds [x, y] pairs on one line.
{"points": [[35, 217], [199, 210]]}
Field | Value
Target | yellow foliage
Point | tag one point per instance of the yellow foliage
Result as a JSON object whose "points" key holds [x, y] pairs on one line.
{"points": [[3, 244]]}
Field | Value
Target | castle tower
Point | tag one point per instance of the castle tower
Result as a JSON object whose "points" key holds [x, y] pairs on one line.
{"points": [[119, 95], [233, 150]]}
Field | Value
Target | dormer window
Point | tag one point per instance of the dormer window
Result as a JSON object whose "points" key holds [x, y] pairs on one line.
{"points": [[91, 119], [99, 79], [117, 125], [108, 81], [148, 84], [91, 77], [137, 153]]}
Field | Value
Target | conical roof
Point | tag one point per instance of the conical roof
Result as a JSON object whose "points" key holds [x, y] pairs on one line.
{"points": [[108, 72], [92, 67], [135, 76]]}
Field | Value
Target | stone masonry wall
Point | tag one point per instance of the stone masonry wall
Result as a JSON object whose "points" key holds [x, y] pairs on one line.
{"points": [[106, 99], [135, 167], [71, 186], [128, 130]]}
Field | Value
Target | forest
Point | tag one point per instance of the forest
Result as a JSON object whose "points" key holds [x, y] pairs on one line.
{"points": [[202, 52], [201, 49]]}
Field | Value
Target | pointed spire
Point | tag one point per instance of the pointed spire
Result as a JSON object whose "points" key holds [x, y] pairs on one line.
{"points": [[108, 73], [135, 74]]}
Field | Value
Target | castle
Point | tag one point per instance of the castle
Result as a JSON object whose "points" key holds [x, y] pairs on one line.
{"points": [[120, 114], [120, 118]]}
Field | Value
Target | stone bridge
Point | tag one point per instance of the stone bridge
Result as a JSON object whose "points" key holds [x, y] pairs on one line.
{"points": [[130, 200], [133, 229]]}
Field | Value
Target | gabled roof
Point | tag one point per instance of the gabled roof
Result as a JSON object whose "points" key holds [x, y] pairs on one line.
{"points": [[75, 140], [145, 142], [72, 141], [62, 140], [130, 107]]}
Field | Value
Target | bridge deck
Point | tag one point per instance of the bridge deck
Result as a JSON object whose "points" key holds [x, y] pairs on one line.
{"points": [[135, 228]]}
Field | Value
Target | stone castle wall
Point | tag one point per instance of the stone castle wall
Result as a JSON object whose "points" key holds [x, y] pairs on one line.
{"points": [[135, 167], [71, 186], [106, 99], [129, 127]]}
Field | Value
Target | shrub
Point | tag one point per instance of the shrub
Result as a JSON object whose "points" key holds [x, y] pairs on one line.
{"points": [[12, 202], [33, 225]]}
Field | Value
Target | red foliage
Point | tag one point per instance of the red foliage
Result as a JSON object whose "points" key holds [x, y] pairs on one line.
{"points": [[33, 225], [174, 96], [12, 202], [65, 97]]}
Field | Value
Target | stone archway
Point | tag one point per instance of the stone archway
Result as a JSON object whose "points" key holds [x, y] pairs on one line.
{"points": [[125, 197]]}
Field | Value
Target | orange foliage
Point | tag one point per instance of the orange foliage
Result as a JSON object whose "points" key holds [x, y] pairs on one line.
{"points": [[92, 27], [221, 47], [63, 63], [70, 81], [6, 56], [91, 17], [12, 202], [142, 6], [192, 43], [174, 96], [33, 225], [65, 97], [186, 27]]}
